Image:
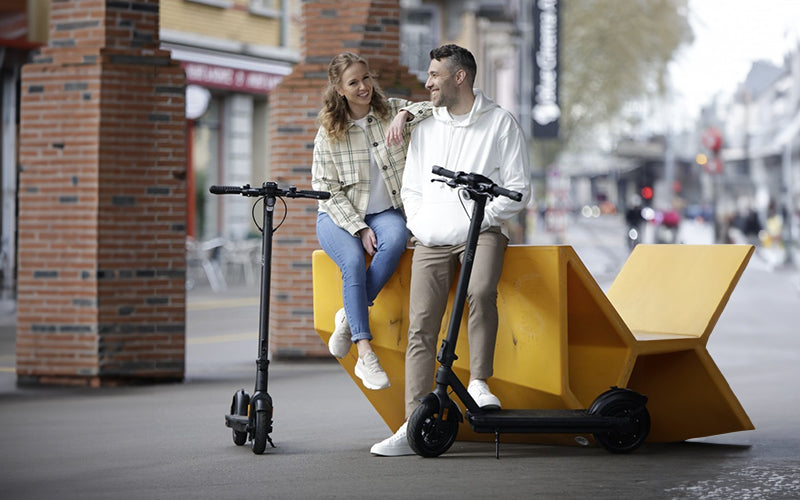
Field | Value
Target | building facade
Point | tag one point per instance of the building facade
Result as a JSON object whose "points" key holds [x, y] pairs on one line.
{"points": [[757, 168]]}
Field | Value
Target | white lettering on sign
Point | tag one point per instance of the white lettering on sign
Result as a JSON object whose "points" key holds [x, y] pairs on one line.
{"points": [[546, 109], [229, 78]]}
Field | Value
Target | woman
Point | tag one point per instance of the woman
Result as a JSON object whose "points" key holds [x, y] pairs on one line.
{"points": [[359, 155]]}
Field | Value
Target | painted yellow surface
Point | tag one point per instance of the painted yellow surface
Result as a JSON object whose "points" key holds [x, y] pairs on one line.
{"points": [[562, 342]]}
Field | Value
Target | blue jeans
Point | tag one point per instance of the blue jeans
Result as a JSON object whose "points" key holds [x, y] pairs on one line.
{"points": [[361, 284]]}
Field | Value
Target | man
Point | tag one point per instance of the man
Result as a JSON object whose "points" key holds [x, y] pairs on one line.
{"points": [[468, 133]]}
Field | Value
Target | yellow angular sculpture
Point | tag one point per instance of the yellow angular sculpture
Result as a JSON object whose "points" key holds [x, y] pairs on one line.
{"points": [[561, 341]]}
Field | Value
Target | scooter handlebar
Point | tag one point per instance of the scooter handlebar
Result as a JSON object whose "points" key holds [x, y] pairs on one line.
{"points": [[477, 182], [271, 189]]}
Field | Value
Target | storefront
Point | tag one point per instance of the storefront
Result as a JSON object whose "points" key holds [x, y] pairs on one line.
{"points": [[23, 29], [226, 112]]}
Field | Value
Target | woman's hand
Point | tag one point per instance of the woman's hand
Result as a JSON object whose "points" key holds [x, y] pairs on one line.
{"points": [[394, 134], [368, 240]]}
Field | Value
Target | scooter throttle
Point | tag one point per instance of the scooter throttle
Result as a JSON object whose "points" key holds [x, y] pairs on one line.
{"points": [[317, 195], [500, 191]]}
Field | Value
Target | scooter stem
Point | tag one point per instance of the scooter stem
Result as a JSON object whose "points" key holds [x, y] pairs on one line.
{"points": [[445, 376], [447, 352], [262, 362]]}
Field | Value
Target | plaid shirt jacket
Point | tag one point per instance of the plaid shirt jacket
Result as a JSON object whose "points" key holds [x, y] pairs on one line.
{"points": [[343, 169]]}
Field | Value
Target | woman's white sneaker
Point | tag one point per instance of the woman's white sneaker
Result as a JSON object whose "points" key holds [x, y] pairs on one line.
{"points": [[395, 445], [339, 344], [369, 370]]}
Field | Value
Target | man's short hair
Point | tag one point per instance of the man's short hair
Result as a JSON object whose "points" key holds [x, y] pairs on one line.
{"points": [[459, 57]]}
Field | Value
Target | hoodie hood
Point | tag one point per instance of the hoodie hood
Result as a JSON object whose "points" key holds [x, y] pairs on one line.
{"points": [[489, 142], [481, 106]]}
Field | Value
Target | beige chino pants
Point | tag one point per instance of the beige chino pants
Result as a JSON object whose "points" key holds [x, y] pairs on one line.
{"points": [[432, 272]]}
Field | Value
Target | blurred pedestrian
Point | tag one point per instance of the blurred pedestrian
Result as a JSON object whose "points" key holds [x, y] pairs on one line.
{"points": [[634, 220]]}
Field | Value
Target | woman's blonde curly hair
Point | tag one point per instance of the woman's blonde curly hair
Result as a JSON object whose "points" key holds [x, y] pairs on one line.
{"points": [[334, 116]]}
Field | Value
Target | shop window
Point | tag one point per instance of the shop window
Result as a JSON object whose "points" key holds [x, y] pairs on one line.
{"points": [[419, 33], [206, 166]]}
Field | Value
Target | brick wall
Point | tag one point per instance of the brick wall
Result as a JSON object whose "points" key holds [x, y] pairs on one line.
{"points": [[372, 30], [101, 282]]}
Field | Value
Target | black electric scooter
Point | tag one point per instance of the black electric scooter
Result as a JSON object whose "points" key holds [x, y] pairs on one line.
{"points": [[251, 416], [618, 418]]}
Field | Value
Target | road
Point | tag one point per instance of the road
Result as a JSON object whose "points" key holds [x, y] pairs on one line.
{"points": [[169, 441]]}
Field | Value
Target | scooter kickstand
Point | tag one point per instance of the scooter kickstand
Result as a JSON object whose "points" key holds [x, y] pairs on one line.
{"points": [[497, 444]]}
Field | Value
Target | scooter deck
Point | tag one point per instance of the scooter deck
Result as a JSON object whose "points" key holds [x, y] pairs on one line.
{"points": [[236, 422], [541, 421]]}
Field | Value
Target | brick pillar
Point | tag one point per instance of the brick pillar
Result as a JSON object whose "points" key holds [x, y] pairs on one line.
{"points": [[102, 201], [371, 29]]}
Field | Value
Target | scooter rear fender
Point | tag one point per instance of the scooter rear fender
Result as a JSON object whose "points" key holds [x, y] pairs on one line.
{"points": [[616, 393]]}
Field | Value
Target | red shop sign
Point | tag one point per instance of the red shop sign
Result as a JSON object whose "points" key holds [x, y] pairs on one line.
{"points": [[221, 77]]}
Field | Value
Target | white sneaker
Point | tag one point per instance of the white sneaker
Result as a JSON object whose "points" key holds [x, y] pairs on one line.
{"points": [[395, 445], [339, 343], [369, 370], [483, 396]]}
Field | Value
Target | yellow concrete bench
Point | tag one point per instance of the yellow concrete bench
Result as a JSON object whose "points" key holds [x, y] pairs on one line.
{"points": [[671, 297], [562, 341]]}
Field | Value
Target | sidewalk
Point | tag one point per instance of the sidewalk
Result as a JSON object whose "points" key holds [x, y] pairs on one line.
{"points": [[8, 339]]}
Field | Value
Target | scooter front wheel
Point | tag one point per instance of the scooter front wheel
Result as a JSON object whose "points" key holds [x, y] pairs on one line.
{"points": [[260, 432], [426, 434]]}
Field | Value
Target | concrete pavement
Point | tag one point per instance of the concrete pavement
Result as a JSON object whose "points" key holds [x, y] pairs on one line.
{"points": [[169, 441]]}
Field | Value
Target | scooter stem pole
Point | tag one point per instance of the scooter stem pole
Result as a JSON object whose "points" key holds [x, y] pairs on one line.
{"points": [[447, 353], [266, 270]]}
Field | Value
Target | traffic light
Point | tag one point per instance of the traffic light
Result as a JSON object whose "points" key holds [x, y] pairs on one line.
{"points": [[647, 193], [711, 139]]}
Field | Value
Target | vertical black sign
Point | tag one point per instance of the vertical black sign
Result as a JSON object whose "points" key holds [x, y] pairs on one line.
{"points": [[546, 109]]}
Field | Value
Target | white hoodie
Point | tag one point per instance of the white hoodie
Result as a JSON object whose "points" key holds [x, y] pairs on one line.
{"points": [[488, 142]]}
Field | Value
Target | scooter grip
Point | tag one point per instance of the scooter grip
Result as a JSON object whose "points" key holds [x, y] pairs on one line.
{"points": [[443, 172], [500, 191], [225, 190], [317, 195]]}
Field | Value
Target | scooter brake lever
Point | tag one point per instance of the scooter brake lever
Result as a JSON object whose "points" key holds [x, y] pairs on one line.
{"points": [[450, 182]]}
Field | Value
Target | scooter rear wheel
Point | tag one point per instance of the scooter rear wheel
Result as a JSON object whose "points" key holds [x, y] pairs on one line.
{"points": [[426, 435], [622, 404], [241, 400]]}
